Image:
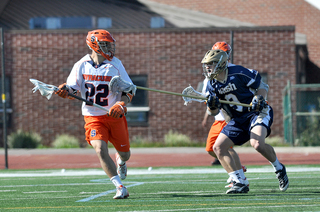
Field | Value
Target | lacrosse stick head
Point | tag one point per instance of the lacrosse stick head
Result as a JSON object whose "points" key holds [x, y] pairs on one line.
{"points": [[191, 92], [117, 85], [44, 89]]}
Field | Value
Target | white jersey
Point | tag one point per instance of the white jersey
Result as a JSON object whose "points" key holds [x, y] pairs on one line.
{"points": [[93, 83], [218, 117]]}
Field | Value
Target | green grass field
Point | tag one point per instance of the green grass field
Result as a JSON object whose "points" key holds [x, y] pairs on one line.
{"points": [[161, 189]]}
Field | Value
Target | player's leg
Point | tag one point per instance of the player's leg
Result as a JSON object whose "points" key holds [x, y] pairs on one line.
{"points": [[257, 140], [96, 135], [239, 167], [107, 164], [213, 134], [221, 149], [119, 137]]}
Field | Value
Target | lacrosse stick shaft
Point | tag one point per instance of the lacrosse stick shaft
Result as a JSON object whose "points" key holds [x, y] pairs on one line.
{"points": [[194, 97], [87, 102]]}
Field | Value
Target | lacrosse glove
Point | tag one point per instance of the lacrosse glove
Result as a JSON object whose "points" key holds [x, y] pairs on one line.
{"points": [[258, 103], [64, 91], [213, 102], [118, 110]]}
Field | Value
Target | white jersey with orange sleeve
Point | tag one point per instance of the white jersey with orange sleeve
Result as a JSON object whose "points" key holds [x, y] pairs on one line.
{"points": [[219, 116], [93, 83]]}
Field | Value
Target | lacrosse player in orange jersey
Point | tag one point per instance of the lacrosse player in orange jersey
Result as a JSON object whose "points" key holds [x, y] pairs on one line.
{"points": [[219, 123], [91, 76]]}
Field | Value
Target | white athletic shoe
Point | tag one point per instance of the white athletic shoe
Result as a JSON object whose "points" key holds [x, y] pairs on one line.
{"points": [[121, 169], [122, 193], [245, 181], [238, 188]]}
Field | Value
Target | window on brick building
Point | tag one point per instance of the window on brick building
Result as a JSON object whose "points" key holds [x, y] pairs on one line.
{"points": [[8, 102], [138, 109]]}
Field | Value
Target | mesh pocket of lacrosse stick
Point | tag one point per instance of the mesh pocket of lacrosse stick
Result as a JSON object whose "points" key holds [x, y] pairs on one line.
{"points": [[191, 92], [117, 84], [44, 89]]}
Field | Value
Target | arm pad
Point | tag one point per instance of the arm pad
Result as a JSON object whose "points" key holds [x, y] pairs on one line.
{"points": [[129, 95], [264, 86]]}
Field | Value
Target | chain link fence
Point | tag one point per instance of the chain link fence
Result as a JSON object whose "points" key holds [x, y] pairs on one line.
{"points": [[301, 114]]}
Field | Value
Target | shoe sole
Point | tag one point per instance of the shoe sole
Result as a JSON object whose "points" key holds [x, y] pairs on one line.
{"points": [[284, 188], [243, 191], [230, 186], [125, 197]]}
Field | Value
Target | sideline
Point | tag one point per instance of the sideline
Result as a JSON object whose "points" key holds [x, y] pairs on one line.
{"points": [[157, 171], [152, 150]]}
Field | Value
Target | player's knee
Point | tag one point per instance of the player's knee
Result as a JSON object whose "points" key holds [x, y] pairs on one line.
{"points": [[257, 145], [217, 150], [124, 155]]}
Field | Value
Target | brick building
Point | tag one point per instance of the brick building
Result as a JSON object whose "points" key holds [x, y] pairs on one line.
{"points": [[170, 60], [161, 58]]}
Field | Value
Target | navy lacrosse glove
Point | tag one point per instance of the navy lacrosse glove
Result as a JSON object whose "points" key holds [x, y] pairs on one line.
{"points": [[213, 102], [258, 103]]}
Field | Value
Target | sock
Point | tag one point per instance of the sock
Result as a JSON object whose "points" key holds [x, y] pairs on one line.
{"points": [[116, 181], [119, 161], [241, 173], [235, 176], [276, 165]]}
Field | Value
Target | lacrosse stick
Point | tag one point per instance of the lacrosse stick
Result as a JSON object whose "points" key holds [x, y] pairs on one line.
{"points": [[47, 91], [189, 91], [117, 84]]}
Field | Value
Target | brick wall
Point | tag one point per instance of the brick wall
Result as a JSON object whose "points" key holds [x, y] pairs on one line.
{"points": [[170, 58]]}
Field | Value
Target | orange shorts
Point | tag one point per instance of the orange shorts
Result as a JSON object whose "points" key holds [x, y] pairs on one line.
{"points": [[107, 129], [214, 132]]}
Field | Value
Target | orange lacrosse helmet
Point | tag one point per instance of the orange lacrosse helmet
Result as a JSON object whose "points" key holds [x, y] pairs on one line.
{"points": [[222, 45], [102, 42]]}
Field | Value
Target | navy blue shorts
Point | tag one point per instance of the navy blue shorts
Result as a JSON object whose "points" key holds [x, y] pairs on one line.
{"points": [[238, 129]]}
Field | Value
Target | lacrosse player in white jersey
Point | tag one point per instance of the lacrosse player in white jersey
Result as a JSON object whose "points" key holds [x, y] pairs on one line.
{"points": [[239, 84], [219, 123], [91, 76]]}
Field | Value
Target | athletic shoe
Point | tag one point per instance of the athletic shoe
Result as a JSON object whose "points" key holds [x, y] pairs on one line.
{"points": [[283, 178], [121, 169], [216, 162], [245, 181], [238, 188], [122, 193]]}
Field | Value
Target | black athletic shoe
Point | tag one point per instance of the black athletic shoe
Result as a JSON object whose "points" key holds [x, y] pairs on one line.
{"points": [[238, 188], [283, 178], [216, 162]]}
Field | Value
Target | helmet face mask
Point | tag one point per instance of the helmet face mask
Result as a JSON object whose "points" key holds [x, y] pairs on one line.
{"points": [[107, 48], [213, 63], [101, 42]]}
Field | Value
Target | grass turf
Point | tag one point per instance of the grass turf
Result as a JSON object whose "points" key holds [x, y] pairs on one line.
{"points": [[162, 189]]}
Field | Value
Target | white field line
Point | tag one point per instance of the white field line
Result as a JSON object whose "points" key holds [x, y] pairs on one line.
{"points": [[160, 171], [246, 208], [40, 192], [105, 193]]}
